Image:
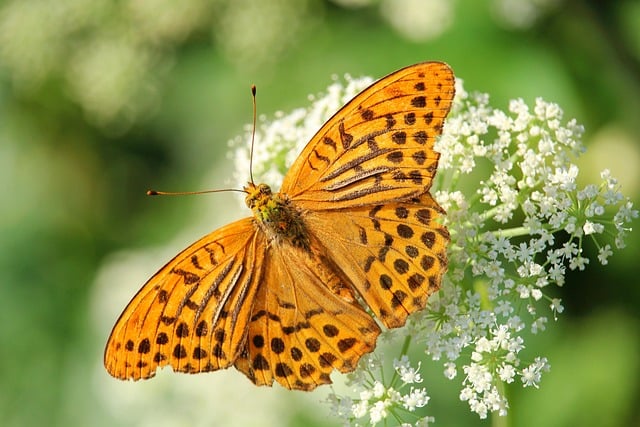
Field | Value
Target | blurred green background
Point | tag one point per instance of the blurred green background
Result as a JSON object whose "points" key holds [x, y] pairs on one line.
{"points": [[101, 100]]}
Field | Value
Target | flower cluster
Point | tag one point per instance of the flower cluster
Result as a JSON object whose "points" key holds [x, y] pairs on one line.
{"points": [[518, 222], [494, 362], [377, 400]]}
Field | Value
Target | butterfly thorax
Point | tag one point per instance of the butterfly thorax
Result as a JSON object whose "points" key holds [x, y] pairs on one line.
{"points": [[276, 215]]}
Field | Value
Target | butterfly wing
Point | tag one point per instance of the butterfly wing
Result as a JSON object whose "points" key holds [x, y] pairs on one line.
{"points": [[304, 323], [193, 313], [379, 146], [393, 253]]}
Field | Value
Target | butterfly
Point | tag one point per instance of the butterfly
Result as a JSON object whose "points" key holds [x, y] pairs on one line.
{"points": [[290, 294]]}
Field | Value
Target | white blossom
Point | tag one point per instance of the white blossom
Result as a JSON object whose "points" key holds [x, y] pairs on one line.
{"points": [[417, 398], [604, 253], [408, 375], [450, 370]]}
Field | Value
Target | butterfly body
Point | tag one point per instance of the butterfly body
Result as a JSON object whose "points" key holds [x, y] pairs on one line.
{"points": [[288, 294]]}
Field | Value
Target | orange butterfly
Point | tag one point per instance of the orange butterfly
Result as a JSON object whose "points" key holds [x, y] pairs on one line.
{"points": [[284, 294]]}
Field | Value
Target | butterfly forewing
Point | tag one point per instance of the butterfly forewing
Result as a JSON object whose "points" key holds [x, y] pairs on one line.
{"points": [[379, 146], [190, 314]]}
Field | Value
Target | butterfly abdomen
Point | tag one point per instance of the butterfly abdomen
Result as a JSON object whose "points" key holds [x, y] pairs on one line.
{"points": [[276, 216]]}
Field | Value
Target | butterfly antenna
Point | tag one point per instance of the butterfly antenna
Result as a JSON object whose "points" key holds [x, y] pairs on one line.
{"points": [[253, 131], [190, 193]]}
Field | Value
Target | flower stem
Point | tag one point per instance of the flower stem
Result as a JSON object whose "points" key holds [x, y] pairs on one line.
{"points": [[498, 420], [403, 351], [513, 232], [405, 345]]}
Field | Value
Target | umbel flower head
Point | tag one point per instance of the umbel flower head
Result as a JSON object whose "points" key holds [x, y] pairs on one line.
{"points": [[518, 222]]}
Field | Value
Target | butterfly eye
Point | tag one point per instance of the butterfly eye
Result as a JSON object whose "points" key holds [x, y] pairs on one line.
{"points": [[264, 189], [250, 201]]}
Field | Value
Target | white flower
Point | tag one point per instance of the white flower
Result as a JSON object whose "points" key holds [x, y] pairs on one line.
{"points": [[424, 422], [483, 345], [466, 394], [408, 375], [530, 376], [504, 308], [506, 372], [450, 370], [378, 389], [366, 394], [604, 253], [539, 325], [578, 262], [524, 291], [479, 407], [360, 408], [536, 294], [341, 408], [417, 398], [378, 411], [588, 228]]}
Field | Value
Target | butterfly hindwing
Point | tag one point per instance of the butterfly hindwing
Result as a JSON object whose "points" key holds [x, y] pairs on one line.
{"points": [[393, 253], [379, 146], [305, 322]]}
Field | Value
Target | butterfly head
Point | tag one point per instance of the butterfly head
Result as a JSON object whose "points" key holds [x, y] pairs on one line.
{"points": [[257, 195], [261, 200], [277, 217]]}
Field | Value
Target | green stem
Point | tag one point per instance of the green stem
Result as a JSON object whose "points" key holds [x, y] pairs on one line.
{"points": [[489, 213], [405, 345], [497, 420], [403, 351], [513, 232]]}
